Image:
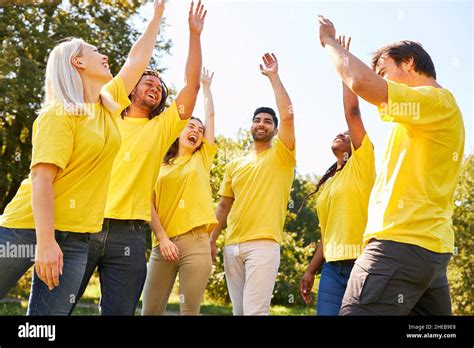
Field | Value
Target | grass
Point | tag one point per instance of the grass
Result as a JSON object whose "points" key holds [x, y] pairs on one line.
{"points": [[20, 308], [89, 304]]}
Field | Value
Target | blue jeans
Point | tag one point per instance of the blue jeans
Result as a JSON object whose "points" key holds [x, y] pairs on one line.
{"points": [[119, 253], [332, 286], [12, 267]]}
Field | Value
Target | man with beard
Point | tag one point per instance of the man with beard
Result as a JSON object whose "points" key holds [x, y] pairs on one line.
{"points": [[254, 195], [147, 131]]}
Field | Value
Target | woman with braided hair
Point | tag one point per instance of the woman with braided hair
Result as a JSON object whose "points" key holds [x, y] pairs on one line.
{"points": [[342, 208]]}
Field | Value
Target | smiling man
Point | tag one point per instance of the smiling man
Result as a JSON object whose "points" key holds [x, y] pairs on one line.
{"points": [[409, 235], [147, 129], [254, 196]]}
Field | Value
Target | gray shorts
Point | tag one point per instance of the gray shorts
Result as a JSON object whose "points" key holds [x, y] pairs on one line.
{"points": [[392, 278]]}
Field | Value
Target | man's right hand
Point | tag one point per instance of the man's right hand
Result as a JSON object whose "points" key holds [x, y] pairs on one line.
{"points": [[306, 285]]}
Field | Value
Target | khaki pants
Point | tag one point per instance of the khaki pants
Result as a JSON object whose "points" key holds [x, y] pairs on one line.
{"points": [[250, 270], [194, 268]]}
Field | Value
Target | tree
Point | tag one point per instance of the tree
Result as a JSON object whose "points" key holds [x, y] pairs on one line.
{"points": [[29, 31], [460, 268]]}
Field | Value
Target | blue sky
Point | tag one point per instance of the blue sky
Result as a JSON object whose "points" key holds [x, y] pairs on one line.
{"points": [[237, 33]]}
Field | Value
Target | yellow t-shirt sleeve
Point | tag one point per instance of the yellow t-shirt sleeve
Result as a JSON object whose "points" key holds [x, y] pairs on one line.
{"points": [[171, 125], [53, 140], [287, 156], [364, 156], [413, 105], [208, 152], [116, 89], [226, 186]]}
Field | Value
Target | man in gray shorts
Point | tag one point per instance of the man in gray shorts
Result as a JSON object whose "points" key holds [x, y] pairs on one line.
{"points": [[409, 233]]}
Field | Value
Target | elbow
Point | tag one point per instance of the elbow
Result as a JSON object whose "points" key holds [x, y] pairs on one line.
{"points": [[355, 85]]}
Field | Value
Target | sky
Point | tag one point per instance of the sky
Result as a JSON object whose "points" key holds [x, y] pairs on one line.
{"points": [[237, 33]]}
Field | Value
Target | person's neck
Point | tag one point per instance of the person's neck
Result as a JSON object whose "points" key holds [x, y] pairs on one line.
{"points": [[184, 151], [137, 112], [92, 90], [262, 146], [423, 80], [340, 160]]}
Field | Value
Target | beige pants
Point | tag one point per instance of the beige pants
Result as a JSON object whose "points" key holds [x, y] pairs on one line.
{"points": [[194, 268], [250, 270]]}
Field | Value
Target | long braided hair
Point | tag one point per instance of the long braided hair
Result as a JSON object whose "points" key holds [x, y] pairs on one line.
{"points": [[329, 174]]}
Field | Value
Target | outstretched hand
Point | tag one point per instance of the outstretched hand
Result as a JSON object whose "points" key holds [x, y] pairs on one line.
{"points": [[206, 77], [342, 41], [197, 17], [271, 65], [327, 31]]}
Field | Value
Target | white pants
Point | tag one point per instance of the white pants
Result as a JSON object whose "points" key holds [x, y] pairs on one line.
{"points": [[250, 270]]}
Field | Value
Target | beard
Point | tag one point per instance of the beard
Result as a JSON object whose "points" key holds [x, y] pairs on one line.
{"points": [[145, 103], [264, 138]]}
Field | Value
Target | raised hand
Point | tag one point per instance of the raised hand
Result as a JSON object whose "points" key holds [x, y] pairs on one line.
{"points": [[159, 8], [342, 41], [206, 77], [271, 65], [196, 18], [327, 31]]}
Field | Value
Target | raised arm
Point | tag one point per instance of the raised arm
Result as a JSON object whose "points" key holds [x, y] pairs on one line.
{"points": [[186, 99], [222, 211], [206, 81], [351, 106], [141, 52], [286, 132], [354, 73]]}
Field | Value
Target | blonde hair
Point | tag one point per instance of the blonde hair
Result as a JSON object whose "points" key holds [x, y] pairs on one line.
{"points": [[63, 84]]}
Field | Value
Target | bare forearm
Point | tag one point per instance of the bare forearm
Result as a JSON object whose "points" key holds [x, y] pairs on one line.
{"points": [[141, 51], [356, 74], [316, 261], [351, 102], [209, 112], [282, 98], [43, 208], [194, 62], [221, 214], [156, 225]]}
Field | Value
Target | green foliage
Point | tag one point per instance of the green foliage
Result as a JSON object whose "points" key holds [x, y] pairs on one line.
{"points": [[460, 270], [294, 259], [29, 31]]}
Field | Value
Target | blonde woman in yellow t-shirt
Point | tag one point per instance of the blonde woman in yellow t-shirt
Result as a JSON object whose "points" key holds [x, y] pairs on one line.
{"points": [[75, 140], [183, 217], [344, 192]]}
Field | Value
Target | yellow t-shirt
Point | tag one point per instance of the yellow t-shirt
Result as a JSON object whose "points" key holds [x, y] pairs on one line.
{"points": [[183, 193], [343, 202], [136, 167], [412, 200], [260, 185], [84, 149]]}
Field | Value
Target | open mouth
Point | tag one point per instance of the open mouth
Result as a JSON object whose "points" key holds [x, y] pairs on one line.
{"points": [[193, 139], [106, 65], [152, 96]]}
